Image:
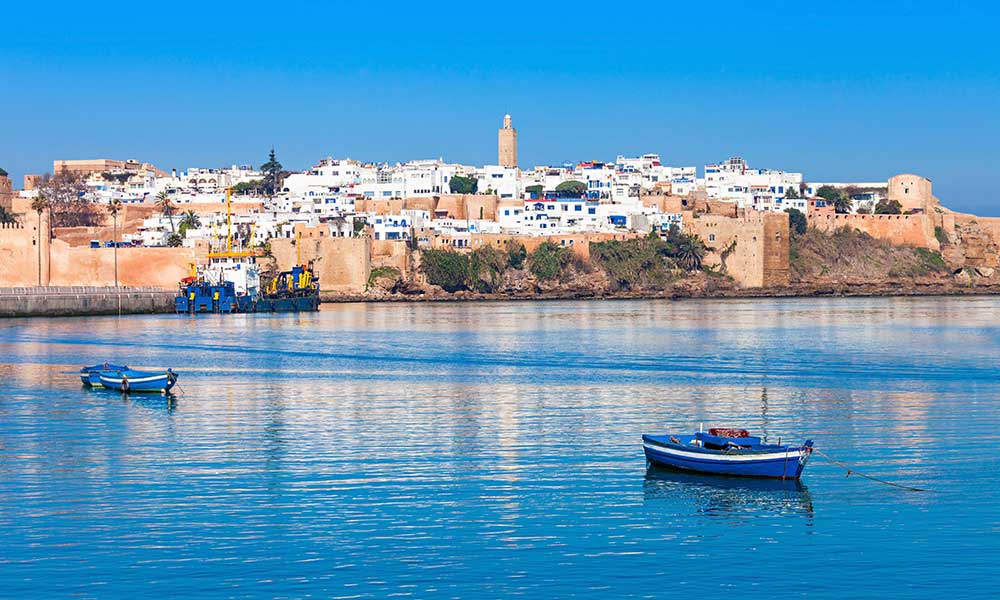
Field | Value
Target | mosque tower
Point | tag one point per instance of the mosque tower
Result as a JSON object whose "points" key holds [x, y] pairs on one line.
{"points": [[507, 143]]}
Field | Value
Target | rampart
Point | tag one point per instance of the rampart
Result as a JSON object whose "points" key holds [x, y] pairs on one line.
{"points": [[342, 264], [902, 230], [752, 249]]}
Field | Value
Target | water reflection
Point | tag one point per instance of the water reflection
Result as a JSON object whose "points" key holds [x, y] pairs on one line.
{"points": [[718, 496]]}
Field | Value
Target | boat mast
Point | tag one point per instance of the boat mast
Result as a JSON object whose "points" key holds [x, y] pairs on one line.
{"points": [[229, 220]]}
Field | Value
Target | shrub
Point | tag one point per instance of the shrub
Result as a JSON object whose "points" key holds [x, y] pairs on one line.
{"points": [[446, 268], [940, 235], [486, 269], [797, 222], [382, 272], [888, 207], [516, 254], [634, 262], [933, 261], [548, 261]]}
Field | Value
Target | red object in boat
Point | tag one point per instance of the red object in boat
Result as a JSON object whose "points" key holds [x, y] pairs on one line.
{"points": [[727, 432]]}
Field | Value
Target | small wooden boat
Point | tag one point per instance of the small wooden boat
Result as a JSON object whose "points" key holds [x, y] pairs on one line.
{"points": [[139, 381], [724, 451], [91, 376]]}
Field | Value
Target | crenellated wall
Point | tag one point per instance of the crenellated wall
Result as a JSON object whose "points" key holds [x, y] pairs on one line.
{"points": [[901, 230]]}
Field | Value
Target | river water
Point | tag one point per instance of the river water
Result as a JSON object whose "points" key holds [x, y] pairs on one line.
{"points": [[493, 450]]}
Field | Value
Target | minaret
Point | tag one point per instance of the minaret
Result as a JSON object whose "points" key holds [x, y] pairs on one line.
{"points": [[507, 138]]}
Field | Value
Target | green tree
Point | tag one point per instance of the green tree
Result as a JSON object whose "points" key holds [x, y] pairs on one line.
{"points": [[571, 189], [115, 207], [537, 190], [189, 220], [246, 187], [690, 252], [843, 204], [829, 193], [888, 207], [40, 204], [548, 260], [791, 192], [359, 226], [463, 185], [272, 174], [446, 268], [167, 207], [7, 217], [174, 240], [797, 222]]}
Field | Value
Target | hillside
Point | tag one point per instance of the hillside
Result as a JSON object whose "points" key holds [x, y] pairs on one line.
{"points": [[849, 256]]}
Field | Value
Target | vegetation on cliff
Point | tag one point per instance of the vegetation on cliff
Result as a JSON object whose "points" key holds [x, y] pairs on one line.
{"points": [[634, 265], [849, 255]]}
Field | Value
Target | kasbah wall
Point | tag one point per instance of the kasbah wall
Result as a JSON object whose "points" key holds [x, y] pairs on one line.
{"points": [[752, 248], [27, 259], [966, 240]]}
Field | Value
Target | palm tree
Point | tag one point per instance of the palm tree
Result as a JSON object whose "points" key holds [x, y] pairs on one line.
{"points": [[167, 207], [7, 217], [114, 207], [690, 252], [40, 204], [189, 220], [843, 204]]}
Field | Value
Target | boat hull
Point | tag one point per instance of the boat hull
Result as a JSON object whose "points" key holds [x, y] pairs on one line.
{"points": [[139, 382], [787, 463], [91, 376]]}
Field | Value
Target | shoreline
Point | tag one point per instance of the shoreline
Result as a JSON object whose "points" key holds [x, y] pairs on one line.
{"points": [[842, 290], [146, 303]]}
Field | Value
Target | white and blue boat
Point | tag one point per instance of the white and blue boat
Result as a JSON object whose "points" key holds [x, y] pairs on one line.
{"points": [[724, 451], [139, 381], [91, 376]]}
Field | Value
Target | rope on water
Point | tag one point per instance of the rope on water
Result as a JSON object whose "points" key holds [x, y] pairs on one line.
{"points": [[851, 470]]}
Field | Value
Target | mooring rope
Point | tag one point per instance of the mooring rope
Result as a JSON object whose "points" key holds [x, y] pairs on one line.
{"points": [[851, 470]]}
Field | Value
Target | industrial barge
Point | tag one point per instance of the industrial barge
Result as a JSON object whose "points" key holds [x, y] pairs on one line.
{"points": [[231, 283]]}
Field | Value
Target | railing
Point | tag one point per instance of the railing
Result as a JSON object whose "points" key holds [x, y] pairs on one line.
{"points": [[77, 290]]}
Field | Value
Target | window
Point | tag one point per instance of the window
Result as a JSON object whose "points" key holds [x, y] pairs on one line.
{"points": [[506, 213], [591, 211], [711, 237], [577, 208]]}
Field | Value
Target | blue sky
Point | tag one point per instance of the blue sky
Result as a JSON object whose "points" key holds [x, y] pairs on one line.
{"points": [[840, 91]]}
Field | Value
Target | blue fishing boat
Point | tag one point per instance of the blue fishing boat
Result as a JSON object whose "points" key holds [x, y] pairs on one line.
{"points": [[139, 381], [91, 376], [723, 451]]}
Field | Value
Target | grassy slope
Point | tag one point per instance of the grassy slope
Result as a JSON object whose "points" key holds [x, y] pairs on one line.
{"points": [[849, 255]]}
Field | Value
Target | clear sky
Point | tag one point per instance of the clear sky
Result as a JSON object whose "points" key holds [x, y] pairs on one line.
{"points": [[837, 90]]}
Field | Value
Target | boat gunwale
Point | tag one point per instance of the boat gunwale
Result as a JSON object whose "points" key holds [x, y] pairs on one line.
{"points": [[771, 449]]}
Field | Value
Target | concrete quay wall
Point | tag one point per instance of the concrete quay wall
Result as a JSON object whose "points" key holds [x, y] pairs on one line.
{"points": [[83, 301]]}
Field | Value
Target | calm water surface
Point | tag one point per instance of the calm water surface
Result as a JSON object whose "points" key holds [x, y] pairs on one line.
{"points": [[493, 450]]}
